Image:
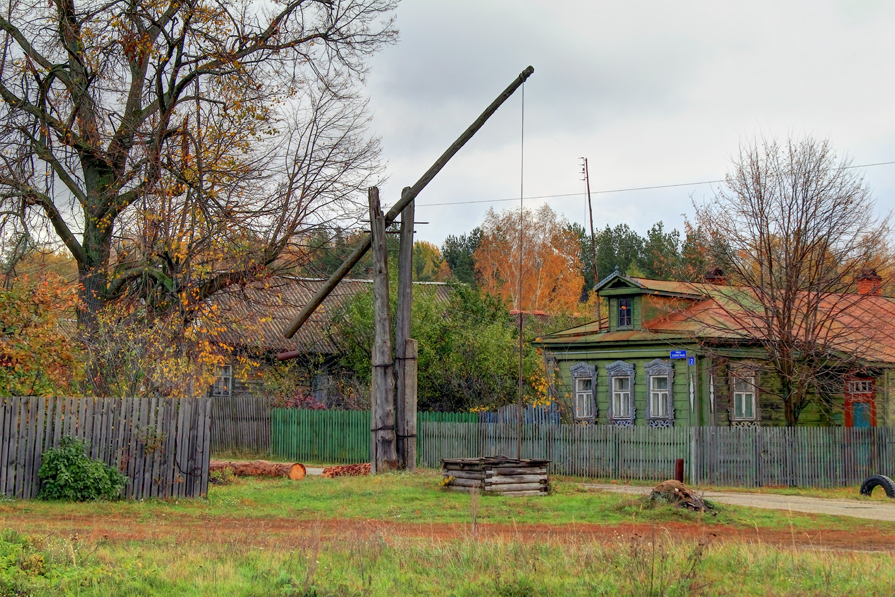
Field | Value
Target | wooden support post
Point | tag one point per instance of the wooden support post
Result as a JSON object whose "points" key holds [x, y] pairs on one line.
{"points": [[410, 385], [404, 410], [406, 198], [383, 456]]}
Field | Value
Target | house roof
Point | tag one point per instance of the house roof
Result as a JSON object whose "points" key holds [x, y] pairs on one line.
{"points": [[854, 324], [257, 314]]}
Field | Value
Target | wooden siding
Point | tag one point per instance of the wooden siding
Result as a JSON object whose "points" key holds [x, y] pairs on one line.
{"points": [[160, 444]]}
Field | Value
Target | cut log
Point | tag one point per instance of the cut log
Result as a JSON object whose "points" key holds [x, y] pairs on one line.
{"points": [[260, 468], [516, 487], [497, 480], [347, 470]]}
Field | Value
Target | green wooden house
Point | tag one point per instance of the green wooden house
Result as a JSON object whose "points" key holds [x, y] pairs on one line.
{"points": [[665, 356]]}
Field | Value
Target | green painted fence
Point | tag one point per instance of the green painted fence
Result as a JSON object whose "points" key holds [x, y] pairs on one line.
{"points": [[334, 436]]}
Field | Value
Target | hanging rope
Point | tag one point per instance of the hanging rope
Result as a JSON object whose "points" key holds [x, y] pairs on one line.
{"points": [[519, 292]]}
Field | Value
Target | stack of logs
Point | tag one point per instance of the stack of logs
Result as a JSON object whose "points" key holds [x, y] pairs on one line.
{"points": [[496, 475], [347, 470]]}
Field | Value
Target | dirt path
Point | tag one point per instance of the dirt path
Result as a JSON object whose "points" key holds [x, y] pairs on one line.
{"points": [[280, 533], [794, 503]]}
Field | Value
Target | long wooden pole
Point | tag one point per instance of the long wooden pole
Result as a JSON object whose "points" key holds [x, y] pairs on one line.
{"points": [[406, 198], [383, 454], [404, 411]]}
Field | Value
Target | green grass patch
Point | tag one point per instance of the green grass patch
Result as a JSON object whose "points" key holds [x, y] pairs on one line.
{"points": [[418, 498], [378, 565]]}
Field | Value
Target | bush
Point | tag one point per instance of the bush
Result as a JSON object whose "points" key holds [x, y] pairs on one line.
{"points": [[68, 474]]}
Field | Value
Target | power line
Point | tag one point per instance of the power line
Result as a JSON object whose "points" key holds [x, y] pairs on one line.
{"points": [[605, 191]]}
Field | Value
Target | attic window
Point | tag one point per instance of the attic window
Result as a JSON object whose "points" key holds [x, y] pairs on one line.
{"points": [[624, 312]]}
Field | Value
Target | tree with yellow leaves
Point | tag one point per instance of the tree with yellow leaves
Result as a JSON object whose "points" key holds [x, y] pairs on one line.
{"points": [[550, 260]]}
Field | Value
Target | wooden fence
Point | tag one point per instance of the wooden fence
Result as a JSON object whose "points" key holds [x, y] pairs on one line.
{"points": [[160, 444], [240, 424], [750, 457]]}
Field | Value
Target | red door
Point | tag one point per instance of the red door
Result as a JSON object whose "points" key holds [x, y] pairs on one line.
{"points": [[860, 405]]}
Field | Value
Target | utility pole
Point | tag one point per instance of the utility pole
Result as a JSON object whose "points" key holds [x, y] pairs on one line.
{"points": [[405, 411], [383, 449], [593, 243]]}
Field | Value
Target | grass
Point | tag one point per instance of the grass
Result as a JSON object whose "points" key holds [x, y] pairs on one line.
{"points": [[270, 537], [377, 564], [418, 498]]}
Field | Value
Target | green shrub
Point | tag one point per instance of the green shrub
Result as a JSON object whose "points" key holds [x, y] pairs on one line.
{"points": [[68, 474]]}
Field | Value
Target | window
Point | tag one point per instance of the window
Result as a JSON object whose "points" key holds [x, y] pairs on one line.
{"points": [[223, 381], [621, 397], [584, 381], [584, 392], [659, 397], [624, 312], [744, 398], [860, 386]]}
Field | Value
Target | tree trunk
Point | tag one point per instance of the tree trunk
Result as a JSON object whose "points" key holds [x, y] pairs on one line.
{"points": [[260, 468]]}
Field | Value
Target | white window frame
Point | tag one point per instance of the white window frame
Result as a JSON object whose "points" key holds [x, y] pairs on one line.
{"points": [[621, 397], [663, 416], [584, 397], [621, 401], [749, 380], [658, 405], [222, 387]]}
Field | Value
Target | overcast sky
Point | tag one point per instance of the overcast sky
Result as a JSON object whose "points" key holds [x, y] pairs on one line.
{"points": [[652, 93]]}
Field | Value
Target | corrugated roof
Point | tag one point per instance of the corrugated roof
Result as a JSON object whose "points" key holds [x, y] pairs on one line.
{"points": [[257, 314], [860, 325]]}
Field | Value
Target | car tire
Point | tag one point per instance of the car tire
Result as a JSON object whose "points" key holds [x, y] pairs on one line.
{"points": [[875, 481]]}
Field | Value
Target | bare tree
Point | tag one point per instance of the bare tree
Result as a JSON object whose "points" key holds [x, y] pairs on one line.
{"points": [[798, 227], [176, 148]]}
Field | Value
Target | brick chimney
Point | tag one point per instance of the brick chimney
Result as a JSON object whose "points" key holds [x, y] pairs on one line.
{"points": [[869, 282], [716, 276]]}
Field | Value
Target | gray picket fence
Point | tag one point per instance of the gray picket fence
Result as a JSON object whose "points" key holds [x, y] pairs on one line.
{"points": [[240, 424], [162, 445], [750, 457]]}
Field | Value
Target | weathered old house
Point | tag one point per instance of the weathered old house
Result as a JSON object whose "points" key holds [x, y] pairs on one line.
{"points": [[254, 318], [673, 353]]}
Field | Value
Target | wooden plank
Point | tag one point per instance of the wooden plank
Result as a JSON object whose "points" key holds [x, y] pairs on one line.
{"points": [[206, 447], [5, 440], [38, 447], [516, 479], [529, 493], [169, 470], [12, 435], [19, 486]]}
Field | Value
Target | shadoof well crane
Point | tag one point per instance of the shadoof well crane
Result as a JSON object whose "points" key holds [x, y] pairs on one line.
{"points": [[393, 422]]}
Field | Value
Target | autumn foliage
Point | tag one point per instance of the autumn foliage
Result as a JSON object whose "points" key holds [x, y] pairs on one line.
{"points": [[549, 254], [37, 356]]}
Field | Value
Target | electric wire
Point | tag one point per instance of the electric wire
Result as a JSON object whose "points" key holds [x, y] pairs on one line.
{"points": [[621, 190]]}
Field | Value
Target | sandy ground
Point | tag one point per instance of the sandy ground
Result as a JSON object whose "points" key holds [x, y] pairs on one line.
{"points": [[810, 505]]}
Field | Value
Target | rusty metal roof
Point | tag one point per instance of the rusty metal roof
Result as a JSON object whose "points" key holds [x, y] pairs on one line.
{"points": [[257, 314], [862, 326]]}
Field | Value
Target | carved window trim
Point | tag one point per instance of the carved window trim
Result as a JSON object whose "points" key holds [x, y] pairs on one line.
{"points": [[621, 370], [658, 368], [583, 371]]}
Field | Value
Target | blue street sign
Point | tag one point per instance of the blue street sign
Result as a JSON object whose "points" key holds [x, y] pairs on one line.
{"points": [[691, 361], [678, 354]]}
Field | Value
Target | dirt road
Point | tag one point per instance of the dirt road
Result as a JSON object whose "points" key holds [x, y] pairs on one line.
{"points": [[854, 508]]}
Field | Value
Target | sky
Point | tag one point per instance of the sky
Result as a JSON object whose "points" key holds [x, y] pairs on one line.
{"points": [[652, 93]]}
